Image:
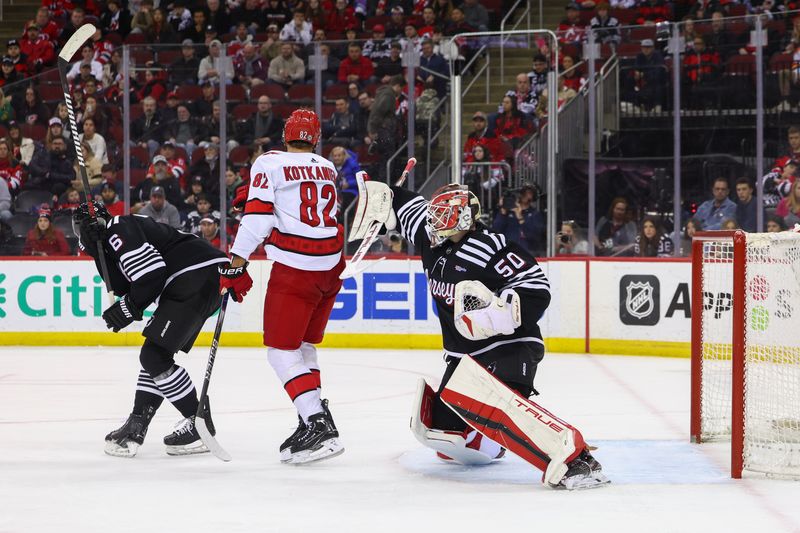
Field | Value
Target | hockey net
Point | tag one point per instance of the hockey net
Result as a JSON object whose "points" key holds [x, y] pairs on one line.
{"points": [[746, 348]]}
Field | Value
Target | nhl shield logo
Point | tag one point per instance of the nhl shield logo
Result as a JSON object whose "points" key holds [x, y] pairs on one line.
{"points": [[639, 300]]}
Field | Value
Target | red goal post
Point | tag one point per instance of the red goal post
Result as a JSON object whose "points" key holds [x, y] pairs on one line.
{"points": [[746, 348]]}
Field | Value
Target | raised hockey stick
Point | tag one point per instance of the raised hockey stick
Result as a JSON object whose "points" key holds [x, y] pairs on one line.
{"points": [[353, 266], [67, 52], [202, 427]]}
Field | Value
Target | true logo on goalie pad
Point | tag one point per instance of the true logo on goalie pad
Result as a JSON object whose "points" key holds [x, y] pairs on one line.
{"points": [[639, 300]]}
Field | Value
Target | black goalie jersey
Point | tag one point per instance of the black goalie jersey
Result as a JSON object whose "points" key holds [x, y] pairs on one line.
{"points": [[480, 256], [144, 256]]}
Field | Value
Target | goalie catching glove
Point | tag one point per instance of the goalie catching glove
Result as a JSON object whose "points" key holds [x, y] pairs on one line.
{"points": [[374, 206], [480, 314]]}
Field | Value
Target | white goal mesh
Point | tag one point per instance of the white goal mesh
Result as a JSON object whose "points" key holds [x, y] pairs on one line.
{"points": [[771, 384]]}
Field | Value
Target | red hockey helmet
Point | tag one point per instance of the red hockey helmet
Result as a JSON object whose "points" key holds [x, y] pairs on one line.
{"points": [[302, 125], [453, 208]]}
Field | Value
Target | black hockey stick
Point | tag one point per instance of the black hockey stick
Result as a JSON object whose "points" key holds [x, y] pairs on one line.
{"points": [[70, 48], [202, 427]]}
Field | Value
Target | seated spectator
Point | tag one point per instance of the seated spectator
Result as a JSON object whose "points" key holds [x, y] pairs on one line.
{"points": [[187, 131], [94, 140], [183, 71], [179, 17], [287, 69], [241, 38], [70, 200], [31, 109], [510, 125], [205, 105], [175, 164], [10, 168], [346, 163], [352, 96], [169, 113], [315, 14], [297, 30], [116, 19], [94, 169], [481, 134], [39, 49], [729, 224], [411, 38], [475, 15], [45, 239], [570, 240], [160, 210], [196, 32], [775, 224], [791, 152], [47, 26], [22, 148], [276, 12], [147, 130], [456, 24], [19, 59], [209, 230], [55, 129], [390, 66], [652, 241], [341, 16], [330, 74], [702, 68], [50, 168], [572, 77], [483, 180], [142, 21], [264, 129], [355, 68], [108, 193], [5, 201], [341, 127], [362, 117], [154, 83], [248, 12], [87, 58], [9, 78], [778, 182], [571, 30], [606, 27], [77, 18], [162, 32], [217, 16], [7, 112], [747, 206], [396, 25], [271, 48], [720, 40], [248, 67], [442, 9], [233, 180], [524, 98], [616, 233], [212, 124], [433, 69], [519, 221], [789, 207], [692, 226], [429, 24], [211, 65], [193, 192], [159, 175], [207, 168], [538, 76], [655, 11], [712, 212], [646, 83], [379, 46], [202, 209]]}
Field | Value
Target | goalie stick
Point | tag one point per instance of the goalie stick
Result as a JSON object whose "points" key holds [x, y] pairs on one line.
{"points": [[202, 427], [70, 48], [374, 229]]}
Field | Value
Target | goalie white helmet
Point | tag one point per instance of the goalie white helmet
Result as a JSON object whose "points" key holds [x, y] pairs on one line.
{"points": [[453, 208]]}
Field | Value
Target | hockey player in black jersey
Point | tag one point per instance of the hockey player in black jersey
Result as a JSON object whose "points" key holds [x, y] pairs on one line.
{"points": [[148, 261], [489, 295]]}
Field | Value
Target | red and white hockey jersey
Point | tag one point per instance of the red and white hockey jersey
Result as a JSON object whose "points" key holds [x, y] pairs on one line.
{"points": [[292, 203]]}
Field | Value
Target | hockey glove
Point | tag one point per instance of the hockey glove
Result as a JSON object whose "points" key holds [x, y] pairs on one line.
{"points": [[480, 314], [120, 315], [240, 196], [235, 280]]}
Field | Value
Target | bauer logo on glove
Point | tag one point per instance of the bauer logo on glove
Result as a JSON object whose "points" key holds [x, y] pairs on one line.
{"points": [[480, 314]]}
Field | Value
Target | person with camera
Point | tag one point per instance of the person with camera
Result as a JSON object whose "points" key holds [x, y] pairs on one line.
{"points": [[519, 220], [570, 240]]}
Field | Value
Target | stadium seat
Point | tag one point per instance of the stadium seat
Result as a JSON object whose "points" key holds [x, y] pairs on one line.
{"points": [[116, 133], [64, 223], [140, 56], [629, 49], [372, 21], [301, 94], [332, 92], [189, 93], [114, 38], [28, 199], [233, 93], [736, 10], [741, 65], [240, 155], [36, 132], [244, 111], [3, 131], [327, 111], [326, 150], [738, 28], [643, 32], [372, 88], [780, 62], [140, 156], [275, 92], [168, 56], [51, 93], [197, 156], [180, 152], [624, 16], [21, 224], [777, 26], [283, 110], [135, 38], [136, 111], [50, 76], [138, 175]]}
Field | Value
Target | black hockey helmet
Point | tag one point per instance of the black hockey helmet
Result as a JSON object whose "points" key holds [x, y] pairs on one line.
{"points": [[82, 212]]}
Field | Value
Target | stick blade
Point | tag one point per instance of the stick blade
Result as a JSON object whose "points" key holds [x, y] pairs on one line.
{"points": [[75, 42], [209, 440], [354, 269]]}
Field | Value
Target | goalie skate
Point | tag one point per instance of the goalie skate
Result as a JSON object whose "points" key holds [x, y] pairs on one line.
{"points": [[583, 472], [125, 441]]}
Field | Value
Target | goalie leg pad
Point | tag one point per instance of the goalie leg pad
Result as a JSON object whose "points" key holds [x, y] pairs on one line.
{"points": [[516, 423], [460, 446]]}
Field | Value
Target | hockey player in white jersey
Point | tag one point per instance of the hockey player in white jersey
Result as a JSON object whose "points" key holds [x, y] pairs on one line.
{"points": [[291, 207]]}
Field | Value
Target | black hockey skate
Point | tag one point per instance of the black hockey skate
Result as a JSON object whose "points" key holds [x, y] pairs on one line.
{"points": [[319, 440], [185, 440], [125, 441], [286, 446], [583, 472]]}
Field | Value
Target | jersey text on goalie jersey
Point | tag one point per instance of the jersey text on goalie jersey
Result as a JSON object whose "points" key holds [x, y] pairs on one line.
{"points": [[308, 173]]}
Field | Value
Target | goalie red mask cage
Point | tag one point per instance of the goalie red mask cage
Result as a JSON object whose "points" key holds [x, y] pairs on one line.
{"points": [[452, 208], [302, 125], [746, 348]]}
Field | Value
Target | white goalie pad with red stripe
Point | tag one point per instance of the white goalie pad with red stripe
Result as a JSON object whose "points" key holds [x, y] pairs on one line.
{"points": [[513, 421]]}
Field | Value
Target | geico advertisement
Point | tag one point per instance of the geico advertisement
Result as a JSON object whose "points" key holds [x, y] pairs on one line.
{"points": [[647, 301]]}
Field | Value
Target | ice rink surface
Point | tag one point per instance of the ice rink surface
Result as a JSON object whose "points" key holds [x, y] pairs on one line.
{"points": [[57, 404]]}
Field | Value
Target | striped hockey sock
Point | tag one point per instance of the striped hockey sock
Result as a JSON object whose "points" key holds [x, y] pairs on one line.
{"points": [[147, 394], [177, 387]]}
